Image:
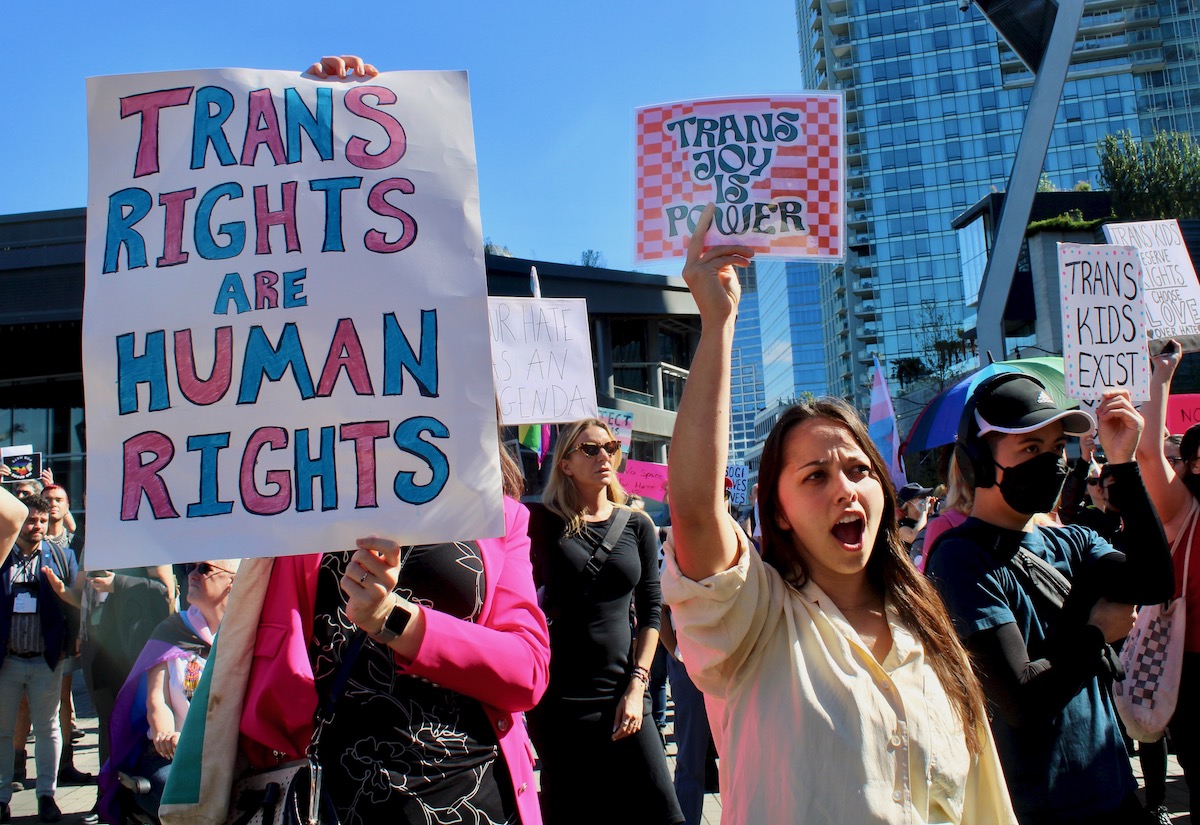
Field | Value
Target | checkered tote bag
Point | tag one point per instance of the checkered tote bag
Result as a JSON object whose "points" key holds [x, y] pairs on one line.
{"points": [[1152, 657]]}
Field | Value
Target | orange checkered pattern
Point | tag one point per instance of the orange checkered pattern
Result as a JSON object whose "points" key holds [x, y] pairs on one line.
{"points": [[809, 170]]}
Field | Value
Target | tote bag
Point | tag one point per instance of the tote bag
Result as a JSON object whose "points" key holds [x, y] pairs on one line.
{"points": [[1153, 657]]}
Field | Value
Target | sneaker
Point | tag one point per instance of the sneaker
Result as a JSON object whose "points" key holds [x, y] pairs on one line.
{"points": [[92, 817], [48, 809], [1157, 816], [70, 775]]}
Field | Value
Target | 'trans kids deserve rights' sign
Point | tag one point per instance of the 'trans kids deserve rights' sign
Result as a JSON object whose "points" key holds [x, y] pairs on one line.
{"points": [[285, 323], [1104, 321], [542, 360], [1168, 278], [774, 167]]}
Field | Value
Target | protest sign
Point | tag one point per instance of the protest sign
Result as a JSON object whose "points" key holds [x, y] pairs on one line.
{"points": [[285, 316], [23, 463], [1103, 321], [644, 478], [774, 166], [739, 474], [542, 360], [621, 423], [1172, 294], [1183, 410]]}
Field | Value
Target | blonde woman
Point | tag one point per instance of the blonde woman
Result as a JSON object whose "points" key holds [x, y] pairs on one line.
{"points": [[602, 760]]}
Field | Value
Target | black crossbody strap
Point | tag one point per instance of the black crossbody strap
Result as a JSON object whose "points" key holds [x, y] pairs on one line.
{"points": [[611, 537], [1040, 578]]}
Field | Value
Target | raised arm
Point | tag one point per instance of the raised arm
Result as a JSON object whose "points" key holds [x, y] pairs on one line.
{"points": [[705, 542], [12, 516], [1170, 495]]}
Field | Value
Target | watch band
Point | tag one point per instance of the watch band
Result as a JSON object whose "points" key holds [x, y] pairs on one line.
{"points": [[397, 619]]}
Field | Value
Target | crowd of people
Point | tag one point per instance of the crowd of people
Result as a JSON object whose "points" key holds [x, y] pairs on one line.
{"points": [[852, 652]]}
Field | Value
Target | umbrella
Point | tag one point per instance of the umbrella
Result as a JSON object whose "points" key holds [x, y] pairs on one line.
{"points": [[938, 422]]}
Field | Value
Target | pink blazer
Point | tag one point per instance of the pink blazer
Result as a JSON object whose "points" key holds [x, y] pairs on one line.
{"points": [[503, 660]]}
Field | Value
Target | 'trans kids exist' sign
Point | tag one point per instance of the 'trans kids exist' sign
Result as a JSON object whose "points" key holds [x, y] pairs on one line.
{"points": [[285, 334], [1103, 320], [1168, 278], [774, 167], [542, 360]]}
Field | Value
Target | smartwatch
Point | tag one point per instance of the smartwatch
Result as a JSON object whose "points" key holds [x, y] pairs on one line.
{"points": [[393, 625]]}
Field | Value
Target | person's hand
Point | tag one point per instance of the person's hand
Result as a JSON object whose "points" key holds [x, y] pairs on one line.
{"points": [[165, 743], [56, 584], [343, 66], [103, 584], [628, 720], [369, 580], [710, 274], [5, 471], [1087, 448], [47, 477], [1164, 364], [1115, 620], [1120, 426]]}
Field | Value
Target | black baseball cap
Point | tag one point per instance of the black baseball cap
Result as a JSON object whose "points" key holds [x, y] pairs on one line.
{"points": [[910, 491], [1019, 403]]}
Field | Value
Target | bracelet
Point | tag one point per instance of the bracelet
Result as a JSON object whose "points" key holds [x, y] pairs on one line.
{"points": [[641, 674]]}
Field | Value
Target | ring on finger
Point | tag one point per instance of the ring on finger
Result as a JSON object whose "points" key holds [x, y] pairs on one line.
{"points": [[363, 578]]}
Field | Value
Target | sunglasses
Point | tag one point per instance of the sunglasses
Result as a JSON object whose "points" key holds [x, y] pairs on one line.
{"points": [[205, 569], [1174, 459], [592, 449]]}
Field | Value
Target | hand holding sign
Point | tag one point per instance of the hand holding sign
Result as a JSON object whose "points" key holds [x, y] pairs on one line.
{"points": [[342, 66], [710, 275], [1165, 363], [1120, 426]]}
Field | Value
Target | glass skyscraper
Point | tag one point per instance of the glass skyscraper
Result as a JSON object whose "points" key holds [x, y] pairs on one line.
{"points": [[746, 383], [935, 103]]}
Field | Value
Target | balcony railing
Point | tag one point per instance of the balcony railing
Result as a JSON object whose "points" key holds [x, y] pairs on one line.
{"points": [[653, 383]]}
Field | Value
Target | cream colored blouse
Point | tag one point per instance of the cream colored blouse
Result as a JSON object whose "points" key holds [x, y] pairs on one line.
{"points": [[810, 728]]}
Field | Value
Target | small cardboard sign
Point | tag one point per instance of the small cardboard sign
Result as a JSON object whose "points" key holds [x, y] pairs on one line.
{"points": [[1104, 320], [542, 360], [739, 474], [1168, 280], [644, 478], [621, 423], [773, 165], [23, 462]]}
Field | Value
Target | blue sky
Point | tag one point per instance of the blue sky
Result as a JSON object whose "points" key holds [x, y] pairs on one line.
{"points": [[553, 85]]}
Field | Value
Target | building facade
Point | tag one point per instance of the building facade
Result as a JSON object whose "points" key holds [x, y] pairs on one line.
{"points": [[935, 103]]}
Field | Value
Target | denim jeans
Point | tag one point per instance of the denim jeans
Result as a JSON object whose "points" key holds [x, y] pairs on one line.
{"points": [[35, 679], [692, 735]]}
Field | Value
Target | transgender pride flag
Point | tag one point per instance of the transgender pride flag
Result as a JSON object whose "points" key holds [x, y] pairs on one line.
{"points": [[882, 427]]}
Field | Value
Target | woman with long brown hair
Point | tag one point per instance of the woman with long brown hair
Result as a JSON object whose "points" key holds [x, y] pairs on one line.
{"points": [[836, 686], [602, 759]]}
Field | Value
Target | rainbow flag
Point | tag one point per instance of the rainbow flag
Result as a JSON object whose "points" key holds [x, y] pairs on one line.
{"points": [[882, 427], [537, 438]]}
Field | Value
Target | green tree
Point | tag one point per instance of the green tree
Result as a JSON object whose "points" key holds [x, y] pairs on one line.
{"points": [[1152, 179]]}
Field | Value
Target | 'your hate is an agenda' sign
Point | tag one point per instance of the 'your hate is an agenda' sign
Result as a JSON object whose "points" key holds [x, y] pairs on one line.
{"points": [[285, 324]]}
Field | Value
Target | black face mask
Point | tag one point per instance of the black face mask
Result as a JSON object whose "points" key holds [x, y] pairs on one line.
{"points": [[1033, 486]]}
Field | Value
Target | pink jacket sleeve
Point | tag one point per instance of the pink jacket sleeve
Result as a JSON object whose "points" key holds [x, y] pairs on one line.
{"points": [[504, 660]]}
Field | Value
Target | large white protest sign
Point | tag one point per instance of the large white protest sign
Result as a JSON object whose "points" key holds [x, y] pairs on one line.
{"points": [[542, 360], [285, 336], [1104, 320], [1168, 279]]}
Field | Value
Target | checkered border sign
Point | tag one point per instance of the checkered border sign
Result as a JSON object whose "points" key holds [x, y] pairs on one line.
{"points": [[809, 170]]}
